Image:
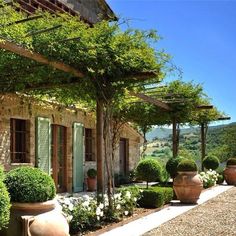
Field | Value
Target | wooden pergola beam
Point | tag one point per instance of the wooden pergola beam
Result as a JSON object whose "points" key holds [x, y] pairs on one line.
{"points": [[48, 86], [224, 118], [21, 51], [151, 100], [203, 107]]}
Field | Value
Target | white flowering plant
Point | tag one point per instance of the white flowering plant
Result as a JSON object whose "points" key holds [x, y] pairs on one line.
{"points": [[85, 213], [123, 203], [209, 178], [82, 213]]}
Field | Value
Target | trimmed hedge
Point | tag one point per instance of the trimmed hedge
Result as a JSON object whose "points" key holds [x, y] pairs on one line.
{"points": [[211, 162], [28, 184], [231, 161], [155, 197], [4, 203], [187, 165], [149, 170]]}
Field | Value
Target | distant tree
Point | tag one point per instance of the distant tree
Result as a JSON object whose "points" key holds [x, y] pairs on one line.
{"points": [[203, 118]]}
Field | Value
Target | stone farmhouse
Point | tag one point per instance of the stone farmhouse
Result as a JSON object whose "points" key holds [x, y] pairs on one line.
{"points": [[55, 138]]}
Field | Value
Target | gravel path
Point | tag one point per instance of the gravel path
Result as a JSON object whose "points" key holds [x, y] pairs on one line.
{"points": [[216, 217]]}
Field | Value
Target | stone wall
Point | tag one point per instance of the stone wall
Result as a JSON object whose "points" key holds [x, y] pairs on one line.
{"points": [[91, 10], [22, 107]]}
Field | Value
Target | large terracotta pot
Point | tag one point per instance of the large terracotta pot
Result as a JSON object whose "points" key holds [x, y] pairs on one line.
{"points": [[36, 219], [188, 186], [230, 174], [91, 184]]}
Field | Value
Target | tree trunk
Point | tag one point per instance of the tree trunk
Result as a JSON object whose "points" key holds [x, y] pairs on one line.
{"points": [[99, 140], [177, 138], [144, 130], [107, 135], [174, 139], [204, 128]]}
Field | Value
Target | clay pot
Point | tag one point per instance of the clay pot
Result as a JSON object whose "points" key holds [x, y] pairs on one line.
{"points": [[188, 186], [230, 174], [36, 219], [91, 184]]}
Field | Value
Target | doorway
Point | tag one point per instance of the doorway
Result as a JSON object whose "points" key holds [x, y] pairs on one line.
{"points": [[59, 163], [124, 153]]}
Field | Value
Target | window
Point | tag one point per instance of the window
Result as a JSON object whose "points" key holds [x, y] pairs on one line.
{"points": [[89, 154], [19, 141]]}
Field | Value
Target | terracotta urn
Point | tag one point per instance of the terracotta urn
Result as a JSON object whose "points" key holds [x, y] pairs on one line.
{"points": [[91, 184], [188, 186], [230, 174], [37, 219]]}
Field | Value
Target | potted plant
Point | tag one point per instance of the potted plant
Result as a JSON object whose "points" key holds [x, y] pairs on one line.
{"points": [[34, 209], [187, 184], [230, 171], [91, 179], [171, 166]]}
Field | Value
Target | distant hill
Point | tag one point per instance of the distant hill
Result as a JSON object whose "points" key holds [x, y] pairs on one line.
{"points": [[163, 133]]}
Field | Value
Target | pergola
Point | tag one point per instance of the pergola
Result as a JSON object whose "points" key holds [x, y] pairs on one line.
{"points": [[23, 48]]}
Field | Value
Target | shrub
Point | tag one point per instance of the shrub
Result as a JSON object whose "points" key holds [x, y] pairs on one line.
{"points": [[1, 173], [149, 170], [211, 162], [231, 161], [120, 179], [92, 173], [151, 199], [85, 213], [164, 175], [220, 179], [171, 166], [4, 205], [167, 193], [28, 184], [187, 165], [209, 178], [127, 200], [134, 190], [155, 197]]}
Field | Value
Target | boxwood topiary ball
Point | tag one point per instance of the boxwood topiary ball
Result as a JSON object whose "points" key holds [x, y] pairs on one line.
{"points": [[231, 161], [211, 162], [149, 170], [187, 165], [28, 184]]}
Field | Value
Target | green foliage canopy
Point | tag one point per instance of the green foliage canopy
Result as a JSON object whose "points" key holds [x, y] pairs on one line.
{"points": [[109, 58]]}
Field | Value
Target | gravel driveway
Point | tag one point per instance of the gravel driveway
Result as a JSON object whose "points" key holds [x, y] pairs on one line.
{"points": [[216, 217]]}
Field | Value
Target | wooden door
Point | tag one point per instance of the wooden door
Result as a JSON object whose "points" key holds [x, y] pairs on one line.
{"points": [[59, 164], [78, 157], [123, 154]]}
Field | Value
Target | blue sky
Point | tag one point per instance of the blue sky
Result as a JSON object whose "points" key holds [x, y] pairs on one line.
{"points": [[200, 36]]}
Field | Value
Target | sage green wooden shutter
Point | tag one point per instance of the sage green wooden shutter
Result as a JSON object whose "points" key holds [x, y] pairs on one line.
{"points": [[43, 144], [78, 156]]}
